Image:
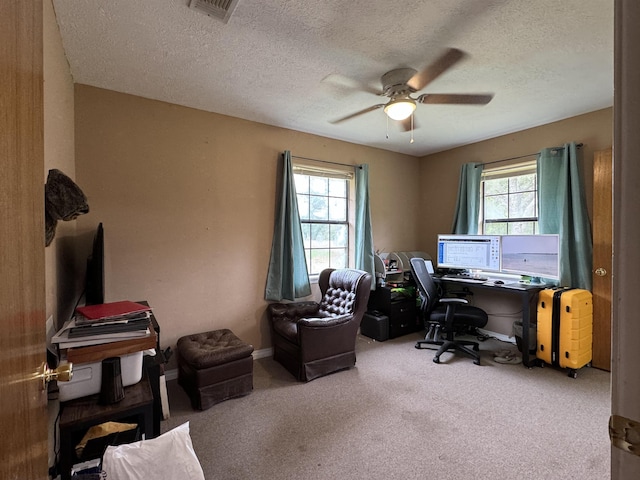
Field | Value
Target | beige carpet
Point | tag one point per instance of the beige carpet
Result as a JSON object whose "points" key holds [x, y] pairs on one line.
{"points": [[398, 415]]}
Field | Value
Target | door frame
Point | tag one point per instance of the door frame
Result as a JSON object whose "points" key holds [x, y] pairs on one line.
{"points": [[24, 439], [625, 383]]}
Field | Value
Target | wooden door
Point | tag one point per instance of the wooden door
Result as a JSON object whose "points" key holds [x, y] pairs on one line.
{"points": [[23, 413], [602, 251]]}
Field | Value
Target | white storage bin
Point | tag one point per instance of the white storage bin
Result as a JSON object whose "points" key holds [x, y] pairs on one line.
{"points": [[87, 377]]}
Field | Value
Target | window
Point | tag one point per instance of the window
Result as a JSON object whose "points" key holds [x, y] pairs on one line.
{"points": [[323, 203], [510, 200]]}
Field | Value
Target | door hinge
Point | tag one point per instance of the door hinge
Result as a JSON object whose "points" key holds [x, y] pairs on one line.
{"points": [[625, 434]]}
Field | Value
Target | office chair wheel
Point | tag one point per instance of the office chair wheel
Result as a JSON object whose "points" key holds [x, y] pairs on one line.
{"points": [[477, 361], [436, 359], [476, 348]]}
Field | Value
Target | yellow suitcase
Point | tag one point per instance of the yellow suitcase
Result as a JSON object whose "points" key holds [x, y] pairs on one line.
{"points": [[565, 328]]}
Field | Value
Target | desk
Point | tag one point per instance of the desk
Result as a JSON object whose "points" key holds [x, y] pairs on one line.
{"points": [[78, 415], [529, 299]]}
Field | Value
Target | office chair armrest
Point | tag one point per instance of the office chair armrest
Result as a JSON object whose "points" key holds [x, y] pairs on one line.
{"points": [[454, 300]]}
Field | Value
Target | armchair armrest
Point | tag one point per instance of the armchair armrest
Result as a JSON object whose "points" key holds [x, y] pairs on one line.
{"points": [[325, 321], [293, 311]]}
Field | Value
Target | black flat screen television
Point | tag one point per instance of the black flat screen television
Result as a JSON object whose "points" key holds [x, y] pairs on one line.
{"points": [[94, 281]]}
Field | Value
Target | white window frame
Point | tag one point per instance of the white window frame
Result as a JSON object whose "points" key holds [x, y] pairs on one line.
{"points": [[513, 170], [308, 167]]}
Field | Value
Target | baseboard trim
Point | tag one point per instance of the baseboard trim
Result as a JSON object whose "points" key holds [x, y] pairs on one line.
{"points": [[265, 352], [257, 354]]}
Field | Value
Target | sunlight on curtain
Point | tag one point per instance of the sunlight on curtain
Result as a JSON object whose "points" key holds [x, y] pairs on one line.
{"points": [[287, 277], [465, 220], [563, 210], [364, 235]]}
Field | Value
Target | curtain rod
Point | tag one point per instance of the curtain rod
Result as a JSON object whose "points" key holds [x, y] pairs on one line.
{"points": [[521, 156], [326, 161]]}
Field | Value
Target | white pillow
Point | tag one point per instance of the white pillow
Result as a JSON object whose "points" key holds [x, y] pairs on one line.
{"points": [[167, 457]]}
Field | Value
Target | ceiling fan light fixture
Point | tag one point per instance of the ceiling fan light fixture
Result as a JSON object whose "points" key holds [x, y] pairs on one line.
{"points": [[400, 108]]}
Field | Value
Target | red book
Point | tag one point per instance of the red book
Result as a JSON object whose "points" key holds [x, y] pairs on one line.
{"points": [[105, 311]]}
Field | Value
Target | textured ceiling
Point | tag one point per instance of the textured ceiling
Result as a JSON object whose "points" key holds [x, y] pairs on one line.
{"points": [[544, 60]]}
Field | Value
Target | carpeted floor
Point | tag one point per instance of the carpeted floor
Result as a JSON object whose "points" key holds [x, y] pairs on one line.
{"points": [[398, 415]]}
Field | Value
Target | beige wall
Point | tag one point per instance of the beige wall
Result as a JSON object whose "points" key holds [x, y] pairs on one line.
{"points": [[439, 173], [187, 201], [439, 182], [62, 267]]}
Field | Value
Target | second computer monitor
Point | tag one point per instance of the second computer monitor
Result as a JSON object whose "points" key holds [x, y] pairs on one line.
{"points": [[469, 252], [532, 255]]}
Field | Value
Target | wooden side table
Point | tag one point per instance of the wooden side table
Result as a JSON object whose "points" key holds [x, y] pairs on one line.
{"points": [[78, 415]]}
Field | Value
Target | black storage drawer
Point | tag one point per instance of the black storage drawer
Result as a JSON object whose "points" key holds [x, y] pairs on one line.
{"points": [[401, 310], [403, 318]]}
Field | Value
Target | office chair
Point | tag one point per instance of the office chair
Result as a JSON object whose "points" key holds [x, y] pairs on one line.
{"points": [[443, 315]]}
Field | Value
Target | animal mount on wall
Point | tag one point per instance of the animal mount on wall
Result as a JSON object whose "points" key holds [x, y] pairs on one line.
{"points": [[63, 200]]}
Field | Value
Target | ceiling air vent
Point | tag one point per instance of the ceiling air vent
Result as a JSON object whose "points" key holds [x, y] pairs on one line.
{"points": [[221, 9]]}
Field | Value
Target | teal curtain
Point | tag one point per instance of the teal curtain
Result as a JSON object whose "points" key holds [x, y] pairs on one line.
{"points": [[465, 220], [287, 277], [563, 210], [364, 235]]}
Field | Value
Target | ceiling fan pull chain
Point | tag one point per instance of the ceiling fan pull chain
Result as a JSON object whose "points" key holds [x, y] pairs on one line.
{"points": [[387, 127], [411, 128]]}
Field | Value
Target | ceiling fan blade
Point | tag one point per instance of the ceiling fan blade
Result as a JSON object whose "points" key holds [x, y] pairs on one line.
{"points": [[406, 124], [433, 71], [361, 112], [347, 83], [455, 98]]}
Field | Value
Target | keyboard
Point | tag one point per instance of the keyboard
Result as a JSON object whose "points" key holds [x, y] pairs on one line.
{"points": [[465, 278], [518, 286]]}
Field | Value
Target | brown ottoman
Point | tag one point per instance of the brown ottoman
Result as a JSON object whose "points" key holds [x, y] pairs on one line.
{"points": [[214, 366]]}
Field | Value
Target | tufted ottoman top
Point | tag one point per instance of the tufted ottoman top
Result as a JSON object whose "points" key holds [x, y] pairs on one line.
{"points": [[209, 349]]}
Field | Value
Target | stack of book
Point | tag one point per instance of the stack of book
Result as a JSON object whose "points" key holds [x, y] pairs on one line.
{"points": [[105, 323]]}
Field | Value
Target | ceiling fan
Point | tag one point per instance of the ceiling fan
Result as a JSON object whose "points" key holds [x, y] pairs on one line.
{"points": [[400, 83]]}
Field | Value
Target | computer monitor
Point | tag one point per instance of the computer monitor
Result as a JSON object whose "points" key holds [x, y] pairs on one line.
{"points": [[469, 252], [532, 255], [429, 265]]}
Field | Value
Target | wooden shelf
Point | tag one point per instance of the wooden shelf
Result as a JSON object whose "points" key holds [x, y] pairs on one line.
{"points": [[97, 353]]}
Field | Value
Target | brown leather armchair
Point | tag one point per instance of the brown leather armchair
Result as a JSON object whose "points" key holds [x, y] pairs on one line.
{"points": [[313, 339]]}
